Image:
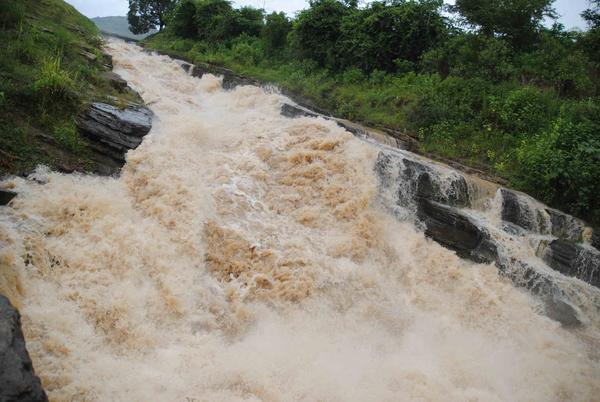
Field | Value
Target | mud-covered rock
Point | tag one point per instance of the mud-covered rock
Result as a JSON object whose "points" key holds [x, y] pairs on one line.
{"points": [[6, 196], [18, 382], [115, 131], [573, 259]]}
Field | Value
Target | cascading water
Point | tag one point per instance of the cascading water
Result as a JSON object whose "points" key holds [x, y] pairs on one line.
{"points": [[241, 256]]}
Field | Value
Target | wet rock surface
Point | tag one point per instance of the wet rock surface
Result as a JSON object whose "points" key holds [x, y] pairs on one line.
{"points": [[573, 259], [442, 200], [293, 112], [416, 181], [455, 230], [230, 79], [115, 131], [515, 210], [6, 196], [18, 382]]}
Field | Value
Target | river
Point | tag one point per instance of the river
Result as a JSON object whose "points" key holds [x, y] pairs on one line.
{"points": [[243, 256]]}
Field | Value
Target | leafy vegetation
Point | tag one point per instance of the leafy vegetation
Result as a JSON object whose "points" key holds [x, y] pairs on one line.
{"points": [[144, 15], [50, 65], [484, 83]]}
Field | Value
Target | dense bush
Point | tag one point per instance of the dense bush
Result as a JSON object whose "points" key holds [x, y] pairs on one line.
{"points": [[383, 34], [275, 32], [561, 164]]}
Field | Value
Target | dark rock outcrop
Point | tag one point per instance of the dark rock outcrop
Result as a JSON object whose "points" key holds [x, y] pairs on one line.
{"points": [[516, 210], [426, 183], [421, 181], [523, 211], [573, 259], [230, 79], [556, 303], [456, 231], [6, 196], [18, 381], [115, 131], [293, 112], [595, 241], [565, 226]]}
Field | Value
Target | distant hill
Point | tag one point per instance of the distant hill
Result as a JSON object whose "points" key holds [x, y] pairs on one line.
{"points": [[118, 26]]}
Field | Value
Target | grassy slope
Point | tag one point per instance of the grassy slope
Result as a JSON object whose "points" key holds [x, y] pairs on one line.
{"points": [[118, 26], [50, 66]]}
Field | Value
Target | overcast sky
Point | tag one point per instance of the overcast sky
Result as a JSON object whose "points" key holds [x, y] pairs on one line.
{"points": [[569, 10]]}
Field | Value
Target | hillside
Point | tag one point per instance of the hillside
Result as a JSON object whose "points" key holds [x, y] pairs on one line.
{"points": [[118, 26], [51, 68]]}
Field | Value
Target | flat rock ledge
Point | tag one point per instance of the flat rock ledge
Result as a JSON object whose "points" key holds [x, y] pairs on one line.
{"points": [[18, 382], [115, 131]]}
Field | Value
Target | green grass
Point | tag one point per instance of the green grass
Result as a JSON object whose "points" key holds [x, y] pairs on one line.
{"points": [[45, 82]]}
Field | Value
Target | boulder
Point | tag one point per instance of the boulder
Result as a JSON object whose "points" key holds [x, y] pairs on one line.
{"points": [[6, 196], [18, 381], [573, 259], [115, 80], [116, 130], [455, 230]]}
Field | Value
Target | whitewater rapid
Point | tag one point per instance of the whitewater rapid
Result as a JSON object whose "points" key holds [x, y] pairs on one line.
{"points": [[241, 256]]}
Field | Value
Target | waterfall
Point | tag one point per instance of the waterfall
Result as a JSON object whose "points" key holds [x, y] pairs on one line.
{"points": [[245, 256]]}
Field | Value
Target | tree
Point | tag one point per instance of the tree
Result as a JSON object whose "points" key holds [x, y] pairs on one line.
{"points": [[214, 20], [144, 15], [248, 20], [387, 35], [184, 23], [318, 28], [592, 15], [517, 20], [591, 39], [275, 31]]}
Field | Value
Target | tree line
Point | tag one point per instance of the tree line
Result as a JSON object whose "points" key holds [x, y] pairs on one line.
{"points": [[488, 82]]}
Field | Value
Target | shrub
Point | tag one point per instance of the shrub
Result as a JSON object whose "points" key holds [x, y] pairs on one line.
{"points": [[65, 133], [246, 53], [55, 82], [561, 165]]}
